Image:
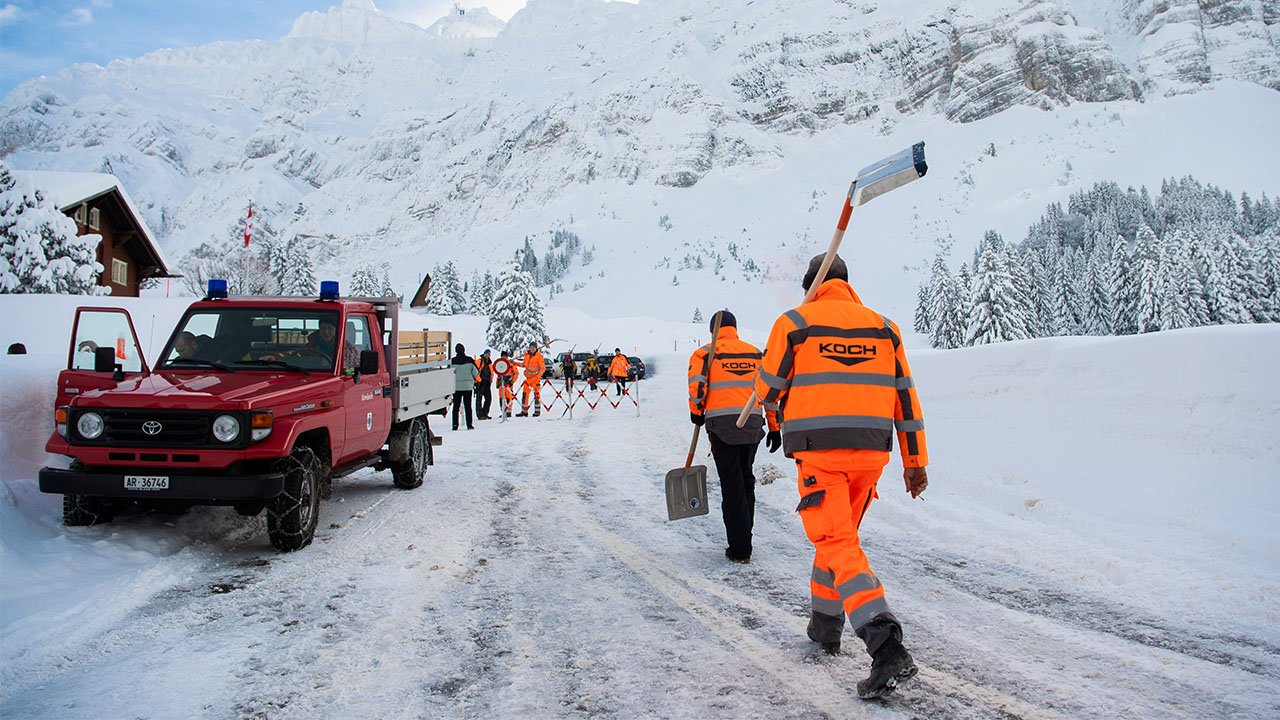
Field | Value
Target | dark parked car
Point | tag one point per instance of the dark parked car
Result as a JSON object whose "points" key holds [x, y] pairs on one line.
{"points": [[637, 368]]}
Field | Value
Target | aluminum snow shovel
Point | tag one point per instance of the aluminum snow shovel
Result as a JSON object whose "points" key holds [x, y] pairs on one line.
{"points": [[871, 182], [687, 486]]}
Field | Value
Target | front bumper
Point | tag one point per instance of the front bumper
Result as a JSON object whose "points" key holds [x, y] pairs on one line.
{"points": [[207, 488]]}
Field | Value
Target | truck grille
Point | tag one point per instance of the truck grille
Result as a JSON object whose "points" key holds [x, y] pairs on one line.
{"points": [[156, 429], [177, 429]]}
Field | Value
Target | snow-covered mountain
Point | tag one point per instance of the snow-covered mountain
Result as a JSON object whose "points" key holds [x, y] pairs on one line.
{"points": [[662, 132]]}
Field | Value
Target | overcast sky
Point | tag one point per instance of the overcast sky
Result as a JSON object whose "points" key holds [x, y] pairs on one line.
{"points": [[39, 37]]}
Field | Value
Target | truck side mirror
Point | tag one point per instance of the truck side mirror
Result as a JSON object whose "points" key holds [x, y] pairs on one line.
{"points": [[104, 359], [368, 362]]}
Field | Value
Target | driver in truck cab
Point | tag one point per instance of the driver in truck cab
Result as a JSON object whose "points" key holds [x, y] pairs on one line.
{"points": [[325, 339]]}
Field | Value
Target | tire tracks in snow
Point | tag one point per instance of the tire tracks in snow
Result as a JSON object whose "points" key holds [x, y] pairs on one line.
{"points": [[947, 695]]}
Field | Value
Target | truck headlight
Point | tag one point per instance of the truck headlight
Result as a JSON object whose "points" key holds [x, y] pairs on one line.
{"points": [[226, 428], [90, 426]]}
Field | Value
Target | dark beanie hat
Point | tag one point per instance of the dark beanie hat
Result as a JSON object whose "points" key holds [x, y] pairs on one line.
{"points": [[726, 320], [838, 270], [458, 348]]}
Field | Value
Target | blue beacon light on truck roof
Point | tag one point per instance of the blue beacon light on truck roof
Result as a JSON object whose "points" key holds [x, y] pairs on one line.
{"points": [[217, 289], [328, 289]]}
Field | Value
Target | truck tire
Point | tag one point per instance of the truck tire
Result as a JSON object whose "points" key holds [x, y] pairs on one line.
{"points": [[82, 510], [292, 515], [409, 473]]}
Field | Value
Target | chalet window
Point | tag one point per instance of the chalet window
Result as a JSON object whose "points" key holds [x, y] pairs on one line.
{"points": [[119, 272], [95, 218], [82, 214]]}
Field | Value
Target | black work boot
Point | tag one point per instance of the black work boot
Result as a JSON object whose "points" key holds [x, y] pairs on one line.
{"points": [[890, 667], [825, 626]]}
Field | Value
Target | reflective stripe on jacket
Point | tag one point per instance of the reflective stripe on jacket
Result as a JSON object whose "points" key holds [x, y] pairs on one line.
{"points": [[718, 393], [838, 373]]}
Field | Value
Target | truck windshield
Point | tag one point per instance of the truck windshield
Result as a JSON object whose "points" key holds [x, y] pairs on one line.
{"points": [[249, 338]]}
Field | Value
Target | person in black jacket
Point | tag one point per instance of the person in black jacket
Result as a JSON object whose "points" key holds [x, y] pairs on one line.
{"points": [[484, 386]]}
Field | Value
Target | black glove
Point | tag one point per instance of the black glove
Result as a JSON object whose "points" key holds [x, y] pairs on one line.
{"points": [[773, 441], [696, 419]]}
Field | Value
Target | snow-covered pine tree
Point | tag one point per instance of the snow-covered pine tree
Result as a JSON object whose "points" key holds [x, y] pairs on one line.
{"points": [[1066, 318], [1124, 290], [1041, 315], [39, 249], [1251, 284], [445, 296], [697, 315], [1150, 282], [299, 276], [997, 313], [1222, 287], [454, 297], [1096, 308], [936, 298], [365, 282], [481, 295], [964, 301], [516, 316], [1176, 271], [278, 263], [945, 309], [923, 320], [1267, 253]]}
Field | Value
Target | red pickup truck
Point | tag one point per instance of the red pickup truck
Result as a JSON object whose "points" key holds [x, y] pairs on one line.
{"points": [[258, 403]]}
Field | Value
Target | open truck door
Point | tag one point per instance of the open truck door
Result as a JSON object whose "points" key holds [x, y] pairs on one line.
{"points": [[104, 352]]}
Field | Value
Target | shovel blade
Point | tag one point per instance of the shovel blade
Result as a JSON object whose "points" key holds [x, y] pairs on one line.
{"points": [[687, 492]]}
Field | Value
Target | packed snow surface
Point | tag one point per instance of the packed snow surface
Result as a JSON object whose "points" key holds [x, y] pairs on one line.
{"points": [[1099, 539]]}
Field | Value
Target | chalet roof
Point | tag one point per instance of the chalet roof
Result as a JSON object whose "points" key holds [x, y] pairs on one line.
{"points": [[68, 189]]}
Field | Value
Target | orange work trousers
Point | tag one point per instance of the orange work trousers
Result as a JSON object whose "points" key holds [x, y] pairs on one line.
{"points": [[834, 496], [534, 385]]}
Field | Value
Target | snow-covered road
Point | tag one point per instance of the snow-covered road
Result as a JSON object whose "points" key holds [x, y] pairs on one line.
{"points": [[534, 575]]}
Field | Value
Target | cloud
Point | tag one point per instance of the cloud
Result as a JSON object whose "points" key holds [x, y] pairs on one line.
{"points": [[11, 13], [78, 17]]}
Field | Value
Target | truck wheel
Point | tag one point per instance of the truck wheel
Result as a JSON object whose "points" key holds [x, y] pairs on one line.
{"points": [[82, 510], [408, 473], [292, 515]]}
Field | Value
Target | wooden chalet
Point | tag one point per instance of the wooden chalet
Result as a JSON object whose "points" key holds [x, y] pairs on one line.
{"points": [[99, 205]]}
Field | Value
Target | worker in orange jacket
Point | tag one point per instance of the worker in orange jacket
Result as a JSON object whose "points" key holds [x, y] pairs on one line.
{"points": [[718, 390], [619, 370], [534, 365], [504, 371], [837, 373]]}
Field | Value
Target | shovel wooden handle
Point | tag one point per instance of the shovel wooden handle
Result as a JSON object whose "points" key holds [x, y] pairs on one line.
{"points": [[850, 202]]}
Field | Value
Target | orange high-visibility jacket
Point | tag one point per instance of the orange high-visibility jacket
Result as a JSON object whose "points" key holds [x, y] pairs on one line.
{"points": [[619, 367], [533, 365], [722, 389], [837, 373]]}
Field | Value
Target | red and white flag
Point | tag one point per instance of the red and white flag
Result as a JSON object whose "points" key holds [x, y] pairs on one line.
{"points": [[248, 225]]}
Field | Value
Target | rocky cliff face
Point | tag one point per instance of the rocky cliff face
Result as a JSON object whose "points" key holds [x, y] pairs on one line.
{"points": [[360, 126], [1190, 43]]}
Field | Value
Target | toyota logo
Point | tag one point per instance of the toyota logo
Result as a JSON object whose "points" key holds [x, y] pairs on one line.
{"points": [[152, 427]]}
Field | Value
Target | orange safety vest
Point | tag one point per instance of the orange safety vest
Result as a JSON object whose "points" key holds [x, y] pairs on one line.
{"points": [[837, 373], [724, 388], [619, 367]]}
